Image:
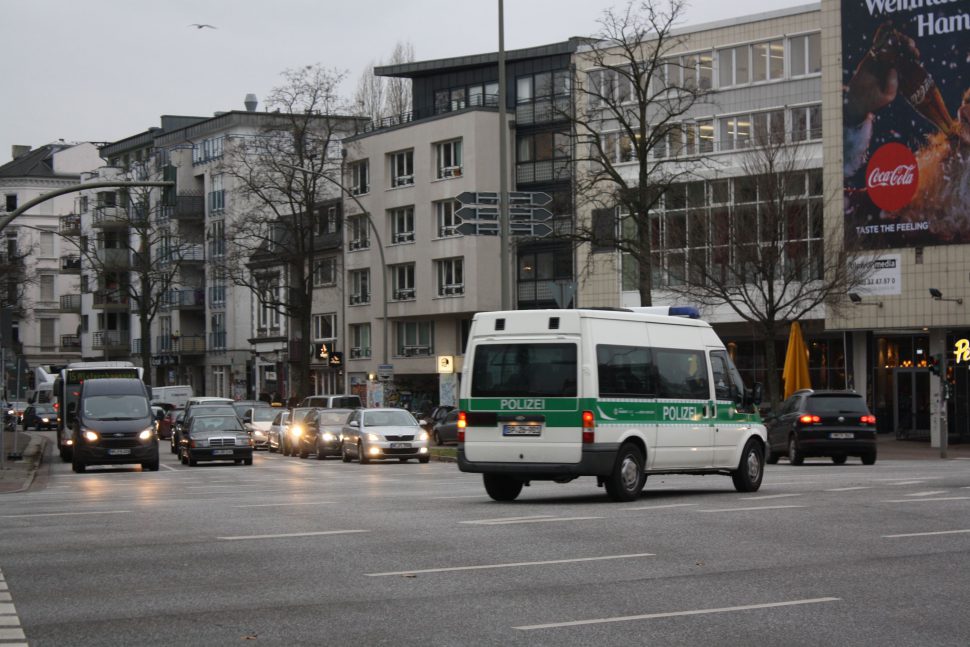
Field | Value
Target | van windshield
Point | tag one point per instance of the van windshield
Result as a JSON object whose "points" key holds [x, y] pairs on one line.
{"points": [[524, 370], [115, 407]]}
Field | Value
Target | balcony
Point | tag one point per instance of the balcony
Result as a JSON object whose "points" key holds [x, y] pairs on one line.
{"points": [[71, 303], [111, 301], [186, 254], [71, 264], [359, 352], [263, 334], [359, 299], [70, 225], [70, 344], [113, 258], [117, 341], [110, 217], [404, 294], [186, 207], [416, 351], [188, 345], [186, 299]]}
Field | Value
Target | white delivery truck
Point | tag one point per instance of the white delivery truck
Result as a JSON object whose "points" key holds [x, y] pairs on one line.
{"points": [[614, 393], [177, 396]]}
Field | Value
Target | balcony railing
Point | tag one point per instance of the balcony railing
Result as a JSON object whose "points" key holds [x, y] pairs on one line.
{"points": [[186, 298], [187, 254], [110, 300], [70, 225], [476, 101], [113, 257], [185, 207], [70, 344], [110, 216], [189, 344], [269, 333], [110, 340], [70, 264], [359, 352], [71, 303]]}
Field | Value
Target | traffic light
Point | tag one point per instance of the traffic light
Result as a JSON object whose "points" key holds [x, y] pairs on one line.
{"points": [[934, 364]]}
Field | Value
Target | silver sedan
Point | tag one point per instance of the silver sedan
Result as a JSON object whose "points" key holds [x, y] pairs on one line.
{"points": [[380, 434]]}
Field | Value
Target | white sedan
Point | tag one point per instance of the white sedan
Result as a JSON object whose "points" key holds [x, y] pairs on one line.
{"points": [[379, 434]]}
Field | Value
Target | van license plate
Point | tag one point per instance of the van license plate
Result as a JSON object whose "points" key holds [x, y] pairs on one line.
{"points": [[522, 430], [400, 445], [222, 452], [118, 452], [841, 435]]}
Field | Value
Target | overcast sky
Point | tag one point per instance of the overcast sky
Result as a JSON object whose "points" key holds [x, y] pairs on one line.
{"points": [[102, 70]]}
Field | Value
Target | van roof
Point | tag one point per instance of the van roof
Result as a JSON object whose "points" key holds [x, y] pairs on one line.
{"points": [[528, 321], [114, 385]]}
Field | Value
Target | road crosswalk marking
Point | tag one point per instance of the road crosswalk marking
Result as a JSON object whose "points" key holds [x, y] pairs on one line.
{"points": [[10, 629]]}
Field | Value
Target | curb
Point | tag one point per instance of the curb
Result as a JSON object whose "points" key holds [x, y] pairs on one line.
{"points": [[38, 461], [444, 459]]}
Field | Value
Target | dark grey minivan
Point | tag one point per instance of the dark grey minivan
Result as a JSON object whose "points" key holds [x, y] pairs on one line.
{"points": [[112, 423]]}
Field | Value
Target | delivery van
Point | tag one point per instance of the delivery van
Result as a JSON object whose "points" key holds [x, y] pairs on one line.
{"points": [[618, 394], [177, 396], [111, 423]]}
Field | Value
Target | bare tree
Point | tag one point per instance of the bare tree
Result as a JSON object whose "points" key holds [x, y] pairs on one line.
{"points": [[633, 96], [761, 249], [378, 97], [398, 95], [280, 176], [370, 97]]}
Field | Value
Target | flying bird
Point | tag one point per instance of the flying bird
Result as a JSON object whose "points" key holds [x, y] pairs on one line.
{"points": [[202, 26]]}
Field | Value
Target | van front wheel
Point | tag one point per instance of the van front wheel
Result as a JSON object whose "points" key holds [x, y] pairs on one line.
{"points": [[627, 480], [751, 469], [502, 488]]}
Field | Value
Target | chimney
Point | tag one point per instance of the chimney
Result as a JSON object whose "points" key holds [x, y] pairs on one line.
{"points": [[251, 102], [18, 150]]}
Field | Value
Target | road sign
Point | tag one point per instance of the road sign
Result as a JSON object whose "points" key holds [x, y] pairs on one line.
{"points": [[529, 197], [482, 197], [385, 371], [480, 228], [477, 213], [529, 228]]}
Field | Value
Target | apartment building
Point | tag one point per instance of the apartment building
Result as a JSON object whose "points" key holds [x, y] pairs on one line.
{"points": [[43, 287]]}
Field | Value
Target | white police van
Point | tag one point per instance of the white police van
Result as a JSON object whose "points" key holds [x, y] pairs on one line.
{"points": [[613, 393]]}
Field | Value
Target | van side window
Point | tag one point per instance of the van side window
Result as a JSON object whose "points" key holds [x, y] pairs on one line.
{"points": [[681, 374], [524, 370], [722, 378], [624, 371]]}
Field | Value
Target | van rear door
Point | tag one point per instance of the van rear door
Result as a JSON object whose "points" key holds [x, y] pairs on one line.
{"points": [[523, 404]]}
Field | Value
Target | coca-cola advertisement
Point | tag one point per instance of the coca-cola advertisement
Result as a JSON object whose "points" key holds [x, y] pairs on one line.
{"points": [[906, 122]]}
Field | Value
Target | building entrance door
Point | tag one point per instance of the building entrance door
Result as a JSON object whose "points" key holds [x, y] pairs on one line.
{"points": [[912, 410]]}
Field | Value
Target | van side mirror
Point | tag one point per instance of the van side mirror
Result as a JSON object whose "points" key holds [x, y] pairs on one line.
{"points": [[753, 397], [248, 416]]}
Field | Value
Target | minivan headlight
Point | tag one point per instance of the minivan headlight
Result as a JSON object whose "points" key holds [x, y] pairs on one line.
{"points": [[327, 436], [146, 434], [423, 435], [90, 436]]}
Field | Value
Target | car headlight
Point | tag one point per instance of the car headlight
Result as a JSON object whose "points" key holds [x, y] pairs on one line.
{"points": [[260, 433], [296, 431], [199, 442], [242, 440], [90, 436], [423, 435], [45, 420], [327, 436], [146, 434], [374, 438]]}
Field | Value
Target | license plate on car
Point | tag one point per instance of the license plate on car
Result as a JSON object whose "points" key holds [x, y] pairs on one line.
{"points": [[522, 430], [841, 435], [222, 452], [400, 445], [118, 452]]}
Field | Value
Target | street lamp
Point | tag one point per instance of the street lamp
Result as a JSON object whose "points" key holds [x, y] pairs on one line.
{"points": [[857, 301], [938, 296]]}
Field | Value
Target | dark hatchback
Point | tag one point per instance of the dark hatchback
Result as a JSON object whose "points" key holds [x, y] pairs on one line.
{"points": [[216, 438], [837, 424], [40, 416], [321, 432]]}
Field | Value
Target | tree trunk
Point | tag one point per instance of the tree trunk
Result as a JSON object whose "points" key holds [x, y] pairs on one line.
{"points": [[773, 384], [644, 266]]}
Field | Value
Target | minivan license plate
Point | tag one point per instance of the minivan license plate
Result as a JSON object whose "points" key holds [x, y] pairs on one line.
{"points": [[841, 435], [118, 452], [522, 430]]}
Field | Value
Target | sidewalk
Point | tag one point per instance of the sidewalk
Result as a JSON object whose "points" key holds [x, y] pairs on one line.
{"points": [[892, 449], [19, 475]]}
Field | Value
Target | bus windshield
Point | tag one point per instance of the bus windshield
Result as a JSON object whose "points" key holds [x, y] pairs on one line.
{"points": [[524, 370]]}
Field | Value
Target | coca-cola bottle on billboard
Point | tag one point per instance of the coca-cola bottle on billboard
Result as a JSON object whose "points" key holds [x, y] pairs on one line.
{"points": [[892, 48]]}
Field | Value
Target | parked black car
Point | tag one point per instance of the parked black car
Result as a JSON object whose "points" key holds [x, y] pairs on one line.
{"points": [[321, 432], [446, 431], [40, 416], [810, 423], [437, 415]]}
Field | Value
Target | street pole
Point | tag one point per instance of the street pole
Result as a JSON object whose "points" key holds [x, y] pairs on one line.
{"points": [[3, 414], [503, 191]]}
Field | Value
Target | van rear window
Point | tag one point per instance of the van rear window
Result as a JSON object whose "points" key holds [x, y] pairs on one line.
{"points": [[524, 370]]}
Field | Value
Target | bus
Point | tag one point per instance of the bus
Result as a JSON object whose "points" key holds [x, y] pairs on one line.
{"points": [[67, 386]]}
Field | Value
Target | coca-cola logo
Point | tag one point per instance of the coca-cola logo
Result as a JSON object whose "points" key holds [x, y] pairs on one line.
{"points": [[892, 177]]}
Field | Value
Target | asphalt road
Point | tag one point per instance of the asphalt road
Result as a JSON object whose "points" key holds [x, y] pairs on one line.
{"points": [[292, 551]]}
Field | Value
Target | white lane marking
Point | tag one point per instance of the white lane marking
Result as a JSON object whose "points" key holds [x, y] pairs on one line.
{"points": [[848, 489], [537, 516], [931, 493], [61, 514], [769, 496], [168, 467], [463, 496], [15, 633], [510, 565], [273, 505], [761, 507], [919, 482], [7, 609], [5, 596], [658, 507], [293, 534], [9, 621], [927, 534], [507, 523], [674, 614], [946, 498]]}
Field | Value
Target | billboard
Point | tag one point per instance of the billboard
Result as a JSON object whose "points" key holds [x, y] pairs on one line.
{"points": [[906, 122]]}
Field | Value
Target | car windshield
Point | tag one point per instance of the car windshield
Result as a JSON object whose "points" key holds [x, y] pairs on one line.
{"points": [[43, 408], [835, 404], [263, 414], [333, 417], [115, 407], [216, 423], [208, 410], [300, 414], [388, 419]]}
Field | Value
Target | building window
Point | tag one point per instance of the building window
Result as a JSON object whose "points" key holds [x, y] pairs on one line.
{"points": [[768, 61], [217, 338], [402, 281], [359, 232], [11, 201], [267, 313], [447, 221], [328, 220], [402, 225], [402, 168], [448, 159], [742, 131], [46, 244], [542, 157], [359, 287], [359, 341], [217, 239], [325, 272], [360, 177], [207, 150], [47, 287], [806, 123], [217, 196], [451, 277], [219, 384], [415, 338], [325, 327], [805, 54], [47, 335]]}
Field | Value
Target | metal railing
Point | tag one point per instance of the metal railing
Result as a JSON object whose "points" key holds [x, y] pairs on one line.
{"points": [[110, 340], [70, 344], [71, 303], [71, 263], [476, 101], [70, 225]]}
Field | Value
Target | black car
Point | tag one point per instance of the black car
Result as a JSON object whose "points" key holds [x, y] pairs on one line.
{"points": [[446, 431], [216, 437], [198, 410], [810, 423], [321, 432], [40, 416]]}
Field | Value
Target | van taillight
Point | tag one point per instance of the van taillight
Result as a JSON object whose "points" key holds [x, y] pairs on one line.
{"points": [[462, 423], [868, 420], [807, 419], [589, 427]]}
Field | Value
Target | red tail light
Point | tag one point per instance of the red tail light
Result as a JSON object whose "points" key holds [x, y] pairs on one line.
{"points": [[808, 419], [589, 427], [868, 420], [462, 423]]}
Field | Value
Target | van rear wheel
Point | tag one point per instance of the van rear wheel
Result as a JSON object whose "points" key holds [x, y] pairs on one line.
{"points": [[502, 488], [626, 481]]}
